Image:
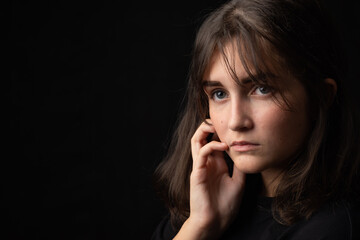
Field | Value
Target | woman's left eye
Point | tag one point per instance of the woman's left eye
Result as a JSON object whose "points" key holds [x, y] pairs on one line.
{"points": [[262, 90], [219, 95]]}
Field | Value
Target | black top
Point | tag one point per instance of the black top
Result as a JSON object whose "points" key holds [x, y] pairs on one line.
{"points": [[332, 221]]}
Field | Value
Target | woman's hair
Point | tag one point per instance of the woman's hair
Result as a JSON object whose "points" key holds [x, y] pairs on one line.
{"points": [[283, 37]]}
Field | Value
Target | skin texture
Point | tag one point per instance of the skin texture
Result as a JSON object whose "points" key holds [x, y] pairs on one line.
{"points": [[273, 134], [240, 113]]}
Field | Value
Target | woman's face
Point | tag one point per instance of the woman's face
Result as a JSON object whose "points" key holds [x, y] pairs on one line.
{"points": [[262, 134]]}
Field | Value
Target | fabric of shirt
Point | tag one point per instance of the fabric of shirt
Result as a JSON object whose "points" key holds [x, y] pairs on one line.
{"points": [[332, 222]]}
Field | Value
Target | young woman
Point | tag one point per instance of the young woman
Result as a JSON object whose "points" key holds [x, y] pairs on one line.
{"points": [[267, 146]]}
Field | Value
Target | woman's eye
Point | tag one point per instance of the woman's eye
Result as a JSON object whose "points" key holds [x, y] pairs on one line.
{"points": [[262, 90], [219, 95]]}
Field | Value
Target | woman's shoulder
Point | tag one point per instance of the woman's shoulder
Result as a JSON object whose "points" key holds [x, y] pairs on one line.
{"points": [[164, 230], [333, 221], [339, 220]]}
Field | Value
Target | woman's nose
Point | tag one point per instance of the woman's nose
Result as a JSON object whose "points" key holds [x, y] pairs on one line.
{"points": [[240, 116]]}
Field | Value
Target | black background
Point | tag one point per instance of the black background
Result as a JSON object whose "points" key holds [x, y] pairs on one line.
{"points": [[95, 91]]}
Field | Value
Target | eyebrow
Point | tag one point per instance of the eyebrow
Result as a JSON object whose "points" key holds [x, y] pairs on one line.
{"points": [[244, 81], [210, 83]]}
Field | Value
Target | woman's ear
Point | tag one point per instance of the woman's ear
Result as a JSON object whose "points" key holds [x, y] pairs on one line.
{"points": [[331, 89]]}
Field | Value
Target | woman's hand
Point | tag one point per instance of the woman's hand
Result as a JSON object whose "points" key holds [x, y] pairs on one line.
{"points": [[214, 195]]}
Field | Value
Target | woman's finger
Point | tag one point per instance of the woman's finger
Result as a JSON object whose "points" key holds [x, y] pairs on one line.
{"points": [[199, 138], [205, 151]]}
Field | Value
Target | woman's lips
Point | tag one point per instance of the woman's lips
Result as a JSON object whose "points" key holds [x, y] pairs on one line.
{"points": [[243, 146]]}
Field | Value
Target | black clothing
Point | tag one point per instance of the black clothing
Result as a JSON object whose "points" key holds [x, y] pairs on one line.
{"points": [[333, 222]]}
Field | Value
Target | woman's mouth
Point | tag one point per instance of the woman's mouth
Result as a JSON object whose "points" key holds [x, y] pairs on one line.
{"points": [[243, 146]]}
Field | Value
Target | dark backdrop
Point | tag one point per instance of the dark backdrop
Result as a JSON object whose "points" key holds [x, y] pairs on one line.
{"points": [[95, 91]]}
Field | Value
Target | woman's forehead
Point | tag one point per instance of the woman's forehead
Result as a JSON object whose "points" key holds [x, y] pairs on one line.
{"points": [[241, 70], [228, 64]]}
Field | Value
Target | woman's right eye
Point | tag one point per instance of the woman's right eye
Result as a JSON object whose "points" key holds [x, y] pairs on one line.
{"points": [[219, 95]]}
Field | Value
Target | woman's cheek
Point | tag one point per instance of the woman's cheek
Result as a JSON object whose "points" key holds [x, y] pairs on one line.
{"points": [[219, 123]]}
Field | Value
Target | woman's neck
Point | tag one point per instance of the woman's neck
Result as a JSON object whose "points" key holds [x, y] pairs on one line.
{"points": [[271, 180]]}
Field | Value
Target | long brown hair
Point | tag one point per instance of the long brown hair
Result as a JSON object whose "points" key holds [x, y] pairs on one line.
{"points": [[280, 36]]}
